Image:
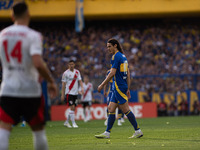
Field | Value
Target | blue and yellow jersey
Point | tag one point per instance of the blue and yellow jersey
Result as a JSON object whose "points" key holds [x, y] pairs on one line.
{"points": [[120, 63]]}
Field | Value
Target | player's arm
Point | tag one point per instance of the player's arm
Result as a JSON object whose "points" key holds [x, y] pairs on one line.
{"points": [[45, 73], [104, 90], [108, 78], [129, 84], [63, 91], [81, 84]]}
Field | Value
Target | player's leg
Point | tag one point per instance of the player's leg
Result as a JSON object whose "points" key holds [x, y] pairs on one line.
{"points": [[122, 118], [84, 111], [108, 101], [111, 119], [119, 117], [9, 115], [72, 110], [131, 117], [89, 110], [5, 129], [32, 110], [39, 137], [66, 123]]}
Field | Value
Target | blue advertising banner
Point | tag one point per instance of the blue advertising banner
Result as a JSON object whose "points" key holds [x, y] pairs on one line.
{"points": [[6, 4], [141, 96], [79, 18]]}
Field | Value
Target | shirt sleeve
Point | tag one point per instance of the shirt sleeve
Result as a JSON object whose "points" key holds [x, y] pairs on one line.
{"points": [[36, 44], [116, 61], [64, 78], [79, 76]]}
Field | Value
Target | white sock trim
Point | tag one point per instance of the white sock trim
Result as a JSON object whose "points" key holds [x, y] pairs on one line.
{"points": [[40, 140], [4, 139]]}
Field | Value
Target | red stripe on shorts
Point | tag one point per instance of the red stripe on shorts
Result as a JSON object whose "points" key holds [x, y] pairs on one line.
{"points": [[5, 117], [39, 118]]}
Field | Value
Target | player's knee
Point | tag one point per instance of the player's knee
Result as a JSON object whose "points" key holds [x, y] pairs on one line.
{"points": [[37, 127], [111, 109]]}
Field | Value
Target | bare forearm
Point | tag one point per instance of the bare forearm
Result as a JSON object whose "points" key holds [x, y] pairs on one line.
{"points": [[108, 78], [81, 83], [42, 68], [63, 89], [45, 73]]}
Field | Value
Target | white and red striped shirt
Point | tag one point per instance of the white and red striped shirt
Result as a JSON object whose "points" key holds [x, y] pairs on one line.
{"points": [[71, 79], [87, 96]]}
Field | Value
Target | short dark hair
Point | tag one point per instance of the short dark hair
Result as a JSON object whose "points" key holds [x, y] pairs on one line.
{"points": [[19, 9], [71, 61], [113, 42]]}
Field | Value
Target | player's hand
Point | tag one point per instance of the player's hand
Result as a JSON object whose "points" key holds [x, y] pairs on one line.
{"points": [[100, 87], [52, 89], [128, 94]]}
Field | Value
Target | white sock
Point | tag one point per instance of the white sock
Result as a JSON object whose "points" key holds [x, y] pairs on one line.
{"points": [[40, 140], [68, 117], [72, 116], [4, 139], [88, 114]]}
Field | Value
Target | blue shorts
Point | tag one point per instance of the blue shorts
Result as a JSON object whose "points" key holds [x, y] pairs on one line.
{"points": [[109, 97], [119, 96]]}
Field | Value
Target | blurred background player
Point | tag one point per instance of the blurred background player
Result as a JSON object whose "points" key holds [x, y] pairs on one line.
{"points": [[70, 79], [121, 94], [108, 94], [21, 94], [86, 98]]}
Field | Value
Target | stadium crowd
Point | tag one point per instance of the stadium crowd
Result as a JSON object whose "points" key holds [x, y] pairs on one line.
{"points": [[160, 54]]}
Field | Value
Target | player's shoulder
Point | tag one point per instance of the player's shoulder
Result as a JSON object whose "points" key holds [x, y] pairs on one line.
{"points": [[120, 55], [117, 56], [76, 70], [3, 31], [66, 71], [33, 33]]}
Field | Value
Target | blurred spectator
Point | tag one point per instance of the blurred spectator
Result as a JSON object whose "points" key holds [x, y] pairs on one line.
{"points": [[172, 108], [162, 56], [196, 108], [162, 108], [183, 107]]}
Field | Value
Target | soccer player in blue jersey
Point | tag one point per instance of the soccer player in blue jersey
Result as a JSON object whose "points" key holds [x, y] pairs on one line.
{"points": [[108, 95], [121, 74]]}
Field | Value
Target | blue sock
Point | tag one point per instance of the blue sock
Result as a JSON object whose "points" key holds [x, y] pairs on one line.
{"points": [[131, 118], [107, 112], [122, 115], [119, 114], [111, 120]]}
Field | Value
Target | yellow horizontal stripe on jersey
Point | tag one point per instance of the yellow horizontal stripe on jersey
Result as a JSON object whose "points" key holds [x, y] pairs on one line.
{"points": [[120, 92]]}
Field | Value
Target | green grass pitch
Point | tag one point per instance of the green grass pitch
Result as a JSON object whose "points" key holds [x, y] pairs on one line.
{"points": [[159, 133]]}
